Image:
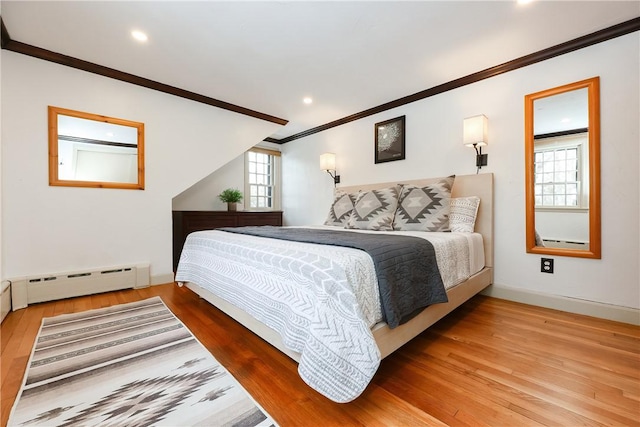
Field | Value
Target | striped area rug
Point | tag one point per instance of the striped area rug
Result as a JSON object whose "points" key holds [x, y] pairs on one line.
{"points": [[132, 364]]}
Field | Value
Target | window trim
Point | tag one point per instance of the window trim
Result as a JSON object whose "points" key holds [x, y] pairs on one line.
{"points": [[276, 179], [581, 141]]}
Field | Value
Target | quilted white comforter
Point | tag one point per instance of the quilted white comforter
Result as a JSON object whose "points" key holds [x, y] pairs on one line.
{"points": [[321, 299]]}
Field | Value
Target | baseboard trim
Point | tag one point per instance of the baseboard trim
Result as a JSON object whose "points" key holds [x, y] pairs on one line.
{"points": [[162, 279], [571, 305]]}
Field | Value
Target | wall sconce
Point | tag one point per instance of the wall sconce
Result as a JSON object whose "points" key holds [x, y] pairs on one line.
{"points": [[328, 163], [475, 135]]}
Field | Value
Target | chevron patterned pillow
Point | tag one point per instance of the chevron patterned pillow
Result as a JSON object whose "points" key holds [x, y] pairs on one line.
{"points": [[424, 208], [464, 210], [340, 209], [374, 210]]}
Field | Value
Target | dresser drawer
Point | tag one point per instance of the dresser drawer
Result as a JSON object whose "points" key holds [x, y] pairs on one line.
{"points": [[263, 218]]}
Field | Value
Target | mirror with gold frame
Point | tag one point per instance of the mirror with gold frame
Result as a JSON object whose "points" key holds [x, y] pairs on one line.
{"points": [[89, 150], [562, 170]]}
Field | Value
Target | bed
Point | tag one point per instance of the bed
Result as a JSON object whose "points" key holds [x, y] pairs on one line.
{"points": [[338, 341]]}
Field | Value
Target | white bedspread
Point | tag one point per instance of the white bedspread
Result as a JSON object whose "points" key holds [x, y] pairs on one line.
{"points": [[321, 299]]}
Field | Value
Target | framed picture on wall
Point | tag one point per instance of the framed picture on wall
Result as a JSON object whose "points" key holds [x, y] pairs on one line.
{"points": [[389, 140]]}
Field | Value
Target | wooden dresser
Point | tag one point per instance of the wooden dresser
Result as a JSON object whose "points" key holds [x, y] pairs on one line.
{"points": [[185, 222]]}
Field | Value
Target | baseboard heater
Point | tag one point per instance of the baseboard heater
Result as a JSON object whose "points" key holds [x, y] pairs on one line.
{"points": [[49, 287], [551, 243]]}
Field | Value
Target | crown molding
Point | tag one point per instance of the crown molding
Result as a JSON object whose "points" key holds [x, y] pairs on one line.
{"points": [[4, 34], [69, 61], [600, 36], [542, 55]]}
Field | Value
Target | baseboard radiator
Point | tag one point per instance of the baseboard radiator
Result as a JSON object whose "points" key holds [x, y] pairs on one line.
{"points": [[49, 287], [551, 243]]}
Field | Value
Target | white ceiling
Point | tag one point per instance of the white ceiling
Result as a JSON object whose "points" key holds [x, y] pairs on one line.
{"points": [[267, 55], [561, 112]]}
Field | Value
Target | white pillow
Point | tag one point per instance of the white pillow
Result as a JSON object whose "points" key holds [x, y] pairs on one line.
{"points": [[463, 212]]}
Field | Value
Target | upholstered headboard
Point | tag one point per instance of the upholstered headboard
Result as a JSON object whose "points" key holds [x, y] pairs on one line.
{"points": [[480, 185]]}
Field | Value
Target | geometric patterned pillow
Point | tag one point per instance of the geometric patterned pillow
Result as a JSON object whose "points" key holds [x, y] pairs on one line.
{"points": [[464, 210], [424, 208], [340, 209], [374, 210]]}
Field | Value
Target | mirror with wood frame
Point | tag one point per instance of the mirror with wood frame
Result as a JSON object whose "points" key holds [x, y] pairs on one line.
{"points": [[562, 170], [89, 150]]}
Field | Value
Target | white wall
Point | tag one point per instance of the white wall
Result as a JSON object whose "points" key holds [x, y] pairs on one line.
{"points": [[52, 229], [434, 148], [563, 225], [203, 196], [1, 214]]}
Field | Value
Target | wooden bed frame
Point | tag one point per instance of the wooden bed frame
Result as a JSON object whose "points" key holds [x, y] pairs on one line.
{"points": [[389, 340]]}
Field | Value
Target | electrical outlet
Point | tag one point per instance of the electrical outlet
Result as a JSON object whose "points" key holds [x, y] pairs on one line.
{"points": [[546, 265]]}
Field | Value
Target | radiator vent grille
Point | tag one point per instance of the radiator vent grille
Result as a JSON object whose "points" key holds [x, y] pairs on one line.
{"points": [[551, 243], [42, 279]]}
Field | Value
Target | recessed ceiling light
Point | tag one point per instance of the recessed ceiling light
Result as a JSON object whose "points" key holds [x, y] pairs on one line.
{"points": [[524, 1], [139, 35], [307, 100]]}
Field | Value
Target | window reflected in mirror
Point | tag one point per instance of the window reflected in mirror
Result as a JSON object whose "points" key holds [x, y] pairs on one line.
{"points": [[563, 170], [89, 150]]}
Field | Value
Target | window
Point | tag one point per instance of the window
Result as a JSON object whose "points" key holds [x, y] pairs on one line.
{"points": [[262, 179], [559, 167]]}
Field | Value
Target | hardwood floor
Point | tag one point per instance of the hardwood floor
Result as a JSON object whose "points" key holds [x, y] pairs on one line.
{"points": [[491, 362]]}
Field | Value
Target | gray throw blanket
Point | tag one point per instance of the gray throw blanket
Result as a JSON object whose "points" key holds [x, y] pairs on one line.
{"points": [[408, 276]]}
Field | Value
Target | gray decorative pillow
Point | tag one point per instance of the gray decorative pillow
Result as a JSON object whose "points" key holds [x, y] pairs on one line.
{"points": [[462, 217], [424, 208], [374, 210], [341, 208]]}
